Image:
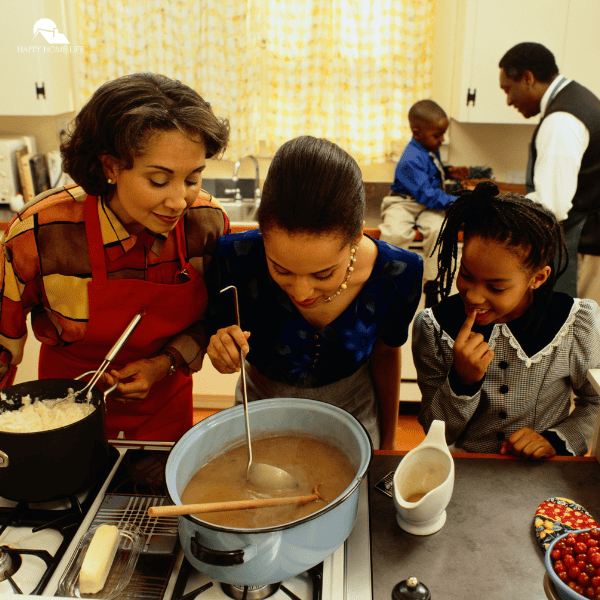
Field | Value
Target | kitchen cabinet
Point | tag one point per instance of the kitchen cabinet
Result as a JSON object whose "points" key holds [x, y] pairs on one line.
{"points": [[582, 34], [36, 58], [484, 30]]}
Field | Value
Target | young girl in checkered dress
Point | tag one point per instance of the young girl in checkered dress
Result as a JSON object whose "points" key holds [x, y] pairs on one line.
{"points": [[500, 361]]}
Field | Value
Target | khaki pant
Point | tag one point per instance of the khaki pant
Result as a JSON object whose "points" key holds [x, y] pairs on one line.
{"points": [[588, 277], [400, 216]]}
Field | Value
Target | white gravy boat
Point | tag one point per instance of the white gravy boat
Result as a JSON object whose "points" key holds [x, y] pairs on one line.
{"points": [[423, 484]]}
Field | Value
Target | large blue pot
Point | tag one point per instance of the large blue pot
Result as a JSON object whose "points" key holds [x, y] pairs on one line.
{"points": [[253, 557]]}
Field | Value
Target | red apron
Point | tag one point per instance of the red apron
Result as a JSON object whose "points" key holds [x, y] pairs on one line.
{"points": [[167, 412]]}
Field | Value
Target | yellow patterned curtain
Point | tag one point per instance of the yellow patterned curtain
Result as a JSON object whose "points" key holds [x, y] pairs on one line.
{"points": [[346, 70], [211, 45]]}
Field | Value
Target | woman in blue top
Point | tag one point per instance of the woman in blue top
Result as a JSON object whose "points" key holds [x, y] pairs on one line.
{"points": [[324, 308]]}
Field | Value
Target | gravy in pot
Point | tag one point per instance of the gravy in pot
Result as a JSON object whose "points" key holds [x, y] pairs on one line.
{"points": [[311, 461]]}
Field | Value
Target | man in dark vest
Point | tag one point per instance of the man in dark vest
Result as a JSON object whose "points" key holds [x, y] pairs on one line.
{"points": [[563, 172]]}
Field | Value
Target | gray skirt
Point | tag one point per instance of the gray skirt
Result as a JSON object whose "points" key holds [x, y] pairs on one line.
{"points": [[355, 394]]}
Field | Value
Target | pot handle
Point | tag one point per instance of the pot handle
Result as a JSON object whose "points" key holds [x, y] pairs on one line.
{"points": [[109, 390], [221, 558], [106, 392]]}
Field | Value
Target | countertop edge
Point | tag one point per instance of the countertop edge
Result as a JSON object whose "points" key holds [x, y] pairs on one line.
{"points": [[493, 456]]}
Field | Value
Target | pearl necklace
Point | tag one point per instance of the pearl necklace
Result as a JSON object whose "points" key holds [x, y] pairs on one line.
{"points": [[348, 273]]}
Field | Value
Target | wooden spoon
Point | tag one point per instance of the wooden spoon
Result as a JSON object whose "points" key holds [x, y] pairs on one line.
{"points": [[188, 509]]}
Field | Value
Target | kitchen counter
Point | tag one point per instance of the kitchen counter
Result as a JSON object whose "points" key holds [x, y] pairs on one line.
{"points": [[372, 216], [487, 549]]}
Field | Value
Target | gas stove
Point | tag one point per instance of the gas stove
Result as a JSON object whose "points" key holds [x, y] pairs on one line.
{"points": [[41, 541], [34, 537]]}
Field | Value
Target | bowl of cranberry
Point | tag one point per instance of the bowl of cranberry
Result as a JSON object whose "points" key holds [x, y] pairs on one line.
{"points": [[573, 564]]}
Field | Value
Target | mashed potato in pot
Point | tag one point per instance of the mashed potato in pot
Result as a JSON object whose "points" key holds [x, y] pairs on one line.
{"points": [[40, 415]]}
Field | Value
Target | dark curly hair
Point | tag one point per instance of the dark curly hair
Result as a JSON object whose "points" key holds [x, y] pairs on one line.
{"points": [[313, 186], [523, 226], [120, 117], [529, 56]]}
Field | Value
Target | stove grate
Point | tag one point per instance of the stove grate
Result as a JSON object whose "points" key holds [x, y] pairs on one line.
{"points": [[161, 533], [63, 516], [51, 564], [187, 571]]}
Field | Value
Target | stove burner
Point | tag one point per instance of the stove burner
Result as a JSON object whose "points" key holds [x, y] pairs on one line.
{"points": [[245, 592], [15, 554], [8, 566], [56, 521]]}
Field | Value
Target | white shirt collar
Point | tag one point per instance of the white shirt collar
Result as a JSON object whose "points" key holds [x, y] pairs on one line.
{"points": [[558, 84]]}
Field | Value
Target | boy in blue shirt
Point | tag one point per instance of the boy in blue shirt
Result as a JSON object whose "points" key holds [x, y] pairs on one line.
{"points": [[417, 196]]}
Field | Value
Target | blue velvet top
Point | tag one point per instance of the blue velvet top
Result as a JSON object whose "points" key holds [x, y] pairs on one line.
{"points": [[284, 346]]}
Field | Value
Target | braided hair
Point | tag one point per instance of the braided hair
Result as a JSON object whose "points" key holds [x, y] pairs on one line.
{"points": [[523, 226]]}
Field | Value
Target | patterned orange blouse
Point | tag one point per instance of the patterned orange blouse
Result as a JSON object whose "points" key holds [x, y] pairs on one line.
{"points": [[45, 269]]}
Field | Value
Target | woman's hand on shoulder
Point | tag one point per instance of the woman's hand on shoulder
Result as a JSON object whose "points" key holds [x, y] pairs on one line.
{"points": [[527, 443], [472, 354], [136, 378], [224, 349]]}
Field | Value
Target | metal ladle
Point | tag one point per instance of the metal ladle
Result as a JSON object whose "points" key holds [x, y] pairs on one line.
{"points": [[258, 474]]}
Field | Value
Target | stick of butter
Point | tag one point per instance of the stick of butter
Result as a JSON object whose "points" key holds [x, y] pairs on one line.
{"points": [[98, 559]]}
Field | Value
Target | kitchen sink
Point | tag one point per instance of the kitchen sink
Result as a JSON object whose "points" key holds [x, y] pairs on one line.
{"points": [[225, 187], [240, 211]]}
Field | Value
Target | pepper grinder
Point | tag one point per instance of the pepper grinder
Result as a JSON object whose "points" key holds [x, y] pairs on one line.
{"points": [[411, 589]]}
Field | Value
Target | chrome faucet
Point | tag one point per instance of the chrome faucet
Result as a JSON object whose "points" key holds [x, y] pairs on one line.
{"points": [[236, 168]]}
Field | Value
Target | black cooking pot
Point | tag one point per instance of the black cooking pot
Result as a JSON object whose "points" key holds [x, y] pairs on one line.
{"points": [[47, 465]]}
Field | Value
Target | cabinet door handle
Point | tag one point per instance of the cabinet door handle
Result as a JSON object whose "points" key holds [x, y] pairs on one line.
{"points": [[471, 96], [40, 91]]}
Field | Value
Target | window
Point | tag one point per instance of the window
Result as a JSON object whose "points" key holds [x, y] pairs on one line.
{"points": [[346, 70]]}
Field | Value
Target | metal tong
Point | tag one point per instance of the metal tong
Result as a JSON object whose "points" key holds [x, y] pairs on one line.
{"points": [[112, 353]]}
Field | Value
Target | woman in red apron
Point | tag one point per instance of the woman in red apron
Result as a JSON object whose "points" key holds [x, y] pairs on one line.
{"points": [[166, 413], [138, 149]]}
